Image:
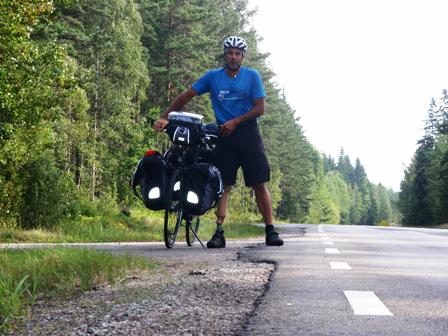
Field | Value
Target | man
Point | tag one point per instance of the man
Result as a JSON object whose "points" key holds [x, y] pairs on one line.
{"points": [[237, 96]]}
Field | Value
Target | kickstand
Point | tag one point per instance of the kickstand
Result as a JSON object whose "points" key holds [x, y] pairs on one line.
{"points": [[196, 235]]}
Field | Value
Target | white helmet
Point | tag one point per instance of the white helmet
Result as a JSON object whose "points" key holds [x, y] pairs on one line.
{"points": [[234, 42]]}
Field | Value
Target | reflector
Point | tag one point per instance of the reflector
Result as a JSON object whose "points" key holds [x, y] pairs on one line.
{"points": [[192, 198], [154, 193], [176, 186]]}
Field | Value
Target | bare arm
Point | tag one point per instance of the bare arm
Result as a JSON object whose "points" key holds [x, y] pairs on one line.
{"points": [[258, 109], [177, 105]]}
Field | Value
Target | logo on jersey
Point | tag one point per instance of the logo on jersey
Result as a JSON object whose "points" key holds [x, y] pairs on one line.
{"points": [[222, 94]]}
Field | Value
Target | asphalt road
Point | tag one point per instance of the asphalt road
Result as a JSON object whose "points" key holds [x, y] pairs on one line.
{"points": [[356, 280]]}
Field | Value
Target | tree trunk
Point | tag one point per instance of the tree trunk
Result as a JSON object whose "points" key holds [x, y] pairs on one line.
{"points": [[95, 131]]}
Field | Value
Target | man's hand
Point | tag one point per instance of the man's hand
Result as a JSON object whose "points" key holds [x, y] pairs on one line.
{"points": [[228, 127], [160, 124]]}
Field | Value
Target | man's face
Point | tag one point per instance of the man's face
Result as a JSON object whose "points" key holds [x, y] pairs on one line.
{"points": [[233, 58]]}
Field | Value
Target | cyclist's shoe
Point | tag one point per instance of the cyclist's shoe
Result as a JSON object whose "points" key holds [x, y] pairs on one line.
{"points": [[217, 241], [272, 238]]}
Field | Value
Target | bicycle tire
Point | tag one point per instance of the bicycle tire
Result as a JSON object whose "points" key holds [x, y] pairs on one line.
{"points": [[192, 224], [173, 215]]}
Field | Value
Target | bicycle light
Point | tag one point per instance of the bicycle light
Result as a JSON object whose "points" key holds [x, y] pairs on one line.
{"points": [[192, 198]]}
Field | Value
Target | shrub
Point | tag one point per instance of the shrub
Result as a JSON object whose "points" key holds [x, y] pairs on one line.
{"points": [[48, 196], [383, 222]]}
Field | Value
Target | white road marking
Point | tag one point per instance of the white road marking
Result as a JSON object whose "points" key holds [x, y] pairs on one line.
{"points": [[336, 265], [332, 251], [328, 243], [325, 238], [366, 303]]}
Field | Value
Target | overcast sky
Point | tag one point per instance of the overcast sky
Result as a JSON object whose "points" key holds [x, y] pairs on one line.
{"points": [[359, 73]]}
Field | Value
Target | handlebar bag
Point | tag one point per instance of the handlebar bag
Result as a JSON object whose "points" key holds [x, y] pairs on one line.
{"points": [[152, 175], [183, 133], [203, 188]]}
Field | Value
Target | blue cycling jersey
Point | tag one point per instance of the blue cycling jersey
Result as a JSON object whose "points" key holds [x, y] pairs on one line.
{"points": [[231, 97]]}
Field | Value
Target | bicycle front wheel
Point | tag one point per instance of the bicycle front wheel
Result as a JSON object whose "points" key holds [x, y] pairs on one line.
{"points": [[192, 224], [173, 214], [173, 218]]}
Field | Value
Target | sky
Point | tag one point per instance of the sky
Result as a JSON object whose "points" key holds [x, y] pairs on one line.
{"points": [[360, 74]]}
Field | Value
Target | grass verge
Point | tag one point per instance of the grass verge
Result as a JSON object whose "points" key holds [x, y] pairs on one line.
{"points": [[27, 275], [141, 225]]}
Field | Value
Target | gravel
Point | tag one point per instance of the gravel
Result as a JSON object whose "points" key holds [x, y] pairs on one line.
{"points": [[194, 292]]}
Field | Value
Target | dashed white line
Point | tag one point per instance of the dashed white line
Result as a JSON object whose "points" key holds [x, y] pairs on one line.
{"points": [[325, 238], [328, 243], [332, 251], [366, 303], [336, 265]]}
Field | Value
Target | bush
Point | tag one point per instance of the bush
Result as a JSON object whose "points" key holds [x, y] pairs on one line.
{"points": [[383, 222], [49, 195]]}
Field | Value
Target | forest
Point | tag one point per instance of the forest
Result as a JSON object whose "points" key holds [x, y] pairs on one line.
{"points": [[424, 190], [80, 81]]}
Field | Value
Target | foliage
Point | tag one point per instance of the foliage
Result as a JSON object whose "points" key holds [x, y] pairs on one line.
{"points": [[11, 301], [424, 197], [346, 196], [340, 193], [31, 74]]}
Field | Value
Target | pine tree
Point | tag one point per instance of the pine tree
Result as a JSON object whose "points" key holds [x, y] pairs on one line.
{"points": [[345, 167], [329, 163], [181, 48], [363, 185], [104, 38]]}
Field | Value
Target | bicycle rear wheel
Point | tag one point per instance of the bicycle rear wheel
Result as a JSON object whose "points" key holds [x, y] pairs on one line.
{"points": [[192, 224], [173, 214]]}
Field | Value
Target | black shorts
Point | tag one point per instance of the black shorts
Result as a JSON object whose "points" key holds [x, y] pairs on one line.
{"points": [[243, 148]]}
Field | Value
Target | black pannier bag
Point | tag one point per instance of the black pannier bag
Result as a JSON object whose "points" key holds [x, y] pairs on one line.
{"points": [[203, 188], [152, 175]]}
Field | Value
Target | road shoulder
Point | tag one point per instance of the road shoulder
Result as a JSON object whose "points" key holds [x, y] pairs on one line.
{"points": [[196, 292]]}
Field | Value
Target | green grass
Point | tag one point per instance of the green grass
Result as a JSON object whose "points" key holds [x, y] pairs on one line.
{"points": [[142, 225], [27, 275], [232, 228]]}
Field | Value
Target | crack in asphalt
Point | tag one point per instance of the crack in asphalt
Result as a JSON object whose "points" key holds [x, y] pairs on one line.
{"points": [[249, 255]]}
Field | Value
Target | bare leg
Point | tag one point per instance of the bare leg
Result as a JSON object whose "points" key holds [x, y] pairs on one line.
{"points": [[264, 202], [221, 210], [218, 240]]}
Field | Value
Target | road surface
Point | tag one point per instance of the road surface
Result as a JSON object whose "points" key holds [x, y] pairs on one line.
{"points": [[356, 280]]}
